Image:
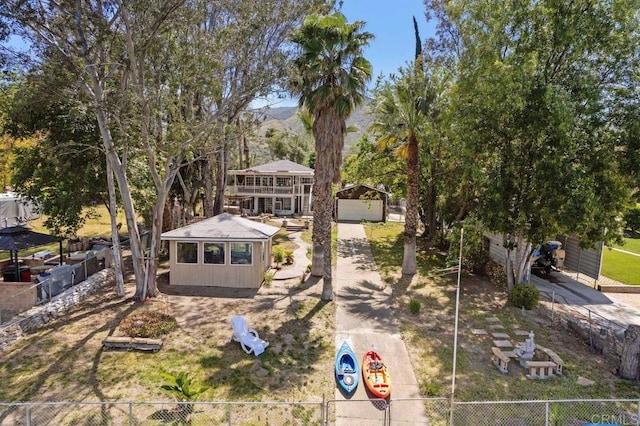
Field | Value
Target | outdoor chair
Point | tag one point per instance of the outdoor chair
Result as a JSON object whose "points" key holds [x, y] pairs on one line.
{"points": [[248, 337]]}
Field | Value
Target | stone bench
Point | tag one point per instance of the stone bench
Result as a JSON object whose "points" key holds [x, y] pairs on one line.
{"points": [[500, 360], [540, 369], [129, 343], [552, 356]]}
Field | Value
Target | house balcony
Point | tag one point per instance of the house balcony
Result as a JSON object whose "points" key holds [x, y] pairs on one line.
{"points": [[264, 190]]}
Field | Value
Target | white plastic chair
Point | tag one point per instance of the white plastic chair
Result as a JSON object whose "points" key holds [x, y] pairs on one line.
{"points": [[248, 337]]}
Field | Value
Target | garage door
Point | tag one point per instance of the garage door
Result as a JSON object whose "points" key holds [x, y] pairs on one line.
{"points": [[370, 210]]}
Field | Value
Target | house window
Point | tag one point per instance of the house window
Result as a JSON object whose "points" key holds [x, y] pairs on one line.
{"points": [[248, 181], [241, 253], [283, 181], [283, 203], [306, 180], [187, 253], [214, 253], [267, 181]]}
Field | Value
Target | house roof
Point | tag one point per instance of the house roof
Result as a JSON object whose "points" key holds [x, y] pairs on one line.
{"points": [[16, 238], [280, 166], [224, 226]]}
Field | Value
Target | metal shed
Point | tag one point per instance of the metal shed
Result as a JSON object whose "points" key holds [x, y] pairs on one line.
{"points": [[222, 251]]}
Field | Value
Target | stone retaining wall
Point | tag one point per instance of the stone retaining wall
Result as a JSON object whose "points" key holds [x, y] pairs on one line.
{"points": [[32, 319], [604, 338]]}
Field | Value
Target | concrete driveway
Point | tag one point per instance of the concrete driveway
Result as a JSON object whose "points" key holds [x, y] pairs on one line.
{"points": [[364, 317]]}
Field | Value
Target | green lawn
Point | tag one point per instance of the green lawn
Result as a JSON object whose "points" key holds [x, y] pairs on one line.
{"points": [[630, 244], [621, 267]]}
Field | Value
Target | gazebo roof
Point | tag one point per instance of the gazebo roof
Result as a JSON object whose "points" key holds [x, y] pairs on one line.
{"points": [[224, 226], [16, 238]]}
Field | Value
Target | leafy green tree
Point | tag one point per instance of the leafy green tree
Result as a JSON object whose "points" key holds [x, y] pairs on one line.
{"points": [[64, 171], [632, 219], [283, 144], [366, 156], [538, 84], [331, 82]]}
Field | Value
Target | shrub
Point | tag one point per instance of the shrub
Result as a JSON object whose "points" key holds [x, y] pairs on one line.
{"points": [[288, 257], [268, 279], [278, 255], [474, 255], [524, 295], [496, 273], [148, 324], [414, 306]]}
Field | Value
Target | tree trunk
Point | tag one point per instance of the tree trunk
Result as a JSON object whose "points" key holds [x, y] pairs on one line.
{"points": [[117, 252], [630, 357], [125, 192], [409, 265], [207, 176], [221, 175]]}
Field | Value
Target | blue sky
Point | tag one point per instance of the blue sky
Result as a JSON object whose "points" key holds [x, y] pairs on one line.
{"points": [[392, 24]]}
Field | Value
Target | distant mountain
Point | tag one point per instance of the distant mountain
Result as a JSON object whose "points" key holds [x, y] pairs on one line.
{"points": [[286, 119]]}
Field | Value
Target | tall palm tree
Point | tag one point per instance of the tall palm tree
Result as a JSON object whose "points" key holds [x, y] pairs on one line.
{"points": [[331, 83], [400, 111]]}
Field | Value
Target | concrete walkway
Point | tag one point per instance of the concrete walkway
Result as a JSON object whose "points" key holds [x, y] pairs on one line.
{"points": [[300, 259], [566, 290], [365, 319]]}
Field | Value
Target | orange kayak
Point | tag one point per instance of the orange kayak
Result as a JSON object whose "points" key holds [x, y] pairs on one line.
{"points": [[375, 375]]}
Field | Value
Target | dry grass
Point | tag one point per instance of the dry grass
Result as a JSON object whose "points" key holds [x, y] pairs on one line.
{"points": [[65, 361]]}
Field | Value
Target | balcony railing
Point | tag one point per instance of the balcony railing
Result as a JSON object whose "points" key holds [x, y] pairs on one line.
{"points": [[242, 189]]}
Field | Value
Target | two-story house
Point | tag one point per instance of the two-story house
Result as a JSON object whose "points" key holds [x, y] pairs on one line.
{"points": [[282, 188]]}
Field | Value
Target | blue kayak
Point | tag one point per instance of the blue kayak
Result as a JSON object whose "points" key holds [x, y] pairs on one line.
{"points": [[347, 369]]}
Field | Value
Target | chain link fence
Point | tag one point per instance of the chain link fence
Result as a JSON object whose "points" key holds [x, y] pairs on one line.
{"points": [[400, 412], [163, 413]]}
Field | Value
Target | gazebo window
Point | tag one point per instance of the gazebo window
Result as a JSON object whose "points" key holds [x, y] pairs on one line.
{"points": [[214, 253], [241, 253], [187, 252]]}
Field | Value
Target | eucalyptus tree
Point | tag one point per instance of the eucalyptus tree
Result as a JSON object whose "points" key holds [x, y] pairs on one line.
{"points": [[538, 86], [332, 74], [253, 59], [137, 63]]}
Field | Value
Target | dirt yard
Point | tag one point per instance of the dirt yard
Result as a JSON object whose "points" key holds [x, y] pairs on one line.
{"points": [[65, 360]]}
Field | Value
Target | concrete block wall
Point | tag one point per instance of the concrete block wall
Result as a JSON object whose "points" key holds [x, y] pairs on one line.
{"points": [[16, 297], [38, 316]]}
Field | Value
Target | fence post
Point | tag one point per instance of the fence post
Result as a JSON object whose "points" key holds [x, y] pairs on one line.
{"points": [[322, 410], [590, 333], [546, 413], [130, 413], [638, 414], [27, 420], [229, 407]]}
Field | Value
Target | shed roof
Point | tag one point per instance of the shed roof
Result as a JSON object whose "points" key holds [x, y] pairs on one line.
{"points": [[359, 188], [16, 238], [224, 226], [280, 166]]}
